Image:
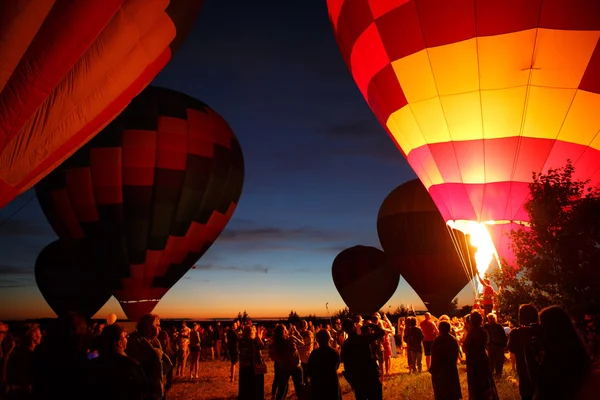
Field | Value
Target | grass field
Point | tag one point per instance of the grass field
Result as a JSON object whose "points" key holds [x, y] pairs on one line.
{"points": [[214, 384]]}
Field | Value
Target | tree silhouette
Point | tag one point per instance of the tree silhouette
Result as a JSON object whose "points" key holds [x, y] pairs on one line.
{"points": [[557, 254]]}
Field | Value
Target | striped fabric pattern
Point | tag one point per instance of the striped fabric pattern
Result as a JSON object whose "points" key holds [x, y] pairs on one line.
{"points": [[67, 68], [154, 189], [479, 94]]}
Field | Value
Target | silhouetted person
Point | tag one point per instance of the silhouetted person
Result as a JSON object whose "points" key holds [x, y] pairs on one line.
{"points": [[323, 364], [113, 374], [360, 367], [524, 342], [496, 344], [565, 362], [479, 375], [444, 374], [59, 361], [143, 345]]}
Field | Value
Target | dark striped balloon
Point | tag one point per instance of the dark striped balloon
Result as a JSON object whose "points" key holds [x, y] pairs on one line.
{"points": [[364, 278], [415, 237], [154, 190], [69, 280]]}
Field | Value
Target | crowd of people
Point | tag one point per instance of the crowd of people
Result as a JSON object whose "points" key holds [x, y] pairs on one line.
{"points": [[77, 361]]}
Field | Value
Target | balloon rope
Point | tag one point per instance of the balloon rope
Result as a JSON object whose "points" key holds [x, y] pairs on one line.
{"points": [[465, 260], [16, 211]]}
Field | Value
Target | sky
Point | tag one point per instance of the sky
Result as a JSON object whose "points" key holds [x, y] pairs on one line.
{"points": [[318, 166]]}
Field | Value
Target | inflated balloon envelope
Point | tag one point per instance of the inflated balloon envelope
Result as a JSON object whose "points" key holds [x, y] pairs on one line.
{"points": [[436, 260], [69, 67], [479, 94], [67, 275], [152, 191], [364, 278]]}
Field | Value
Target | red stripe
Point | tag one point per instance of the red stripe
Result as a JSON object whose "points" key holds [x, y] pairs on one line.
{"points": [[106, 170], [201, 137], [66, 214], [368, 46], [334, 7], [411, 26], [400, 31], [385, 95], [355, 17], [170, 255], [499, 199], [80, 138], [493, 159], [506, 16], [379, 8], [81, 193], [571, 15], [69, 29], [591, 78], [222, 132], [172, 141], [481, 201], [139, 157], [444, 22]]}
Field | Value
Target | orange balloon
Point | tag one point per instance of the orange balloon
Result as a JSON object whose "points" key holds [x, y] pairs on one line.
{"points": [[67, 68]]}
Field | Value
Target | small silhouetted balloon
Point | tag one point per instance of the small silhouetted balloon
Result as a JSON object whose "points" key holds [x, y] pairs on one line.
{"points": [[68, 280], [364, 278]]}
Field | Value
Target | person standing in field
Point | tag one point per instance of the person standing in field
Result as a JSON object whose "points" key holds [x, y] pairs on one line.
{"points": [[430, 331]]}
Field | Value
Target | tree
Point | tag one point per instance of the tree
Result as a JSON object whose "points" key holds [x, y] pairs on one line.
{"points": [[342, 314], [293, 318], [400, 311], [465, 310], [243, 317], [557, 254], [311, 317], [453, 307]]}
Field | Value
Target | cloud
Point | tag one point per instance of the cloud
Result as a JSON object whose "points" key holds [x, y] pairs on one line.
{"points": [[254, 268], [14, 277], [190, 278], [334, 147], [364, 137], [363, 128], [26, 227], [273, 234]]}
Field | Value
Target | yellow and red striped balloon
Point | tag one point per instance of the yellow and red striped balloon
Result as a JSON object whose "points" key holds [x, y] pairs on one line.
{"points": [[478, 94]]}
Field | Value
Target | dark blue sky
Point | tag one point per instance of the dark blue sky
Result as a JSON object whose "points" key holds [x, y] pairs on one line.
{"points": [[318, 166]]}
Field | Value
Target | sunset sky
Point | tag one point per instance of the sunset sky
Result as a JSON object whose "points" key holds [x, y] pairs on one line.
{"points": [[318, 166]]}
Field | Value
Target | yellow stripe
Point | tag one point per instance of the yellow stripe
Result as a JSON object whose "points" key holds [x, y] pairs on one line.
{"points": [[441, 86]]}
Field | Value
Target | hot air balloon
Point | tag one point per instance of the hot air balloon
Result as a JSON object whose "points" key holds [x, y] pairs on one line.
{"points": [[364, 278], [479, 94], [69, 280], [416, 239], [152, 191], [69, 67]]}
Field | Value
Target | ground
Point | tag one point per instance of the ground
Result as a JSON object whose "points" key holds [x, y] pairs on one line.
{"points": [[214, 384]]}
